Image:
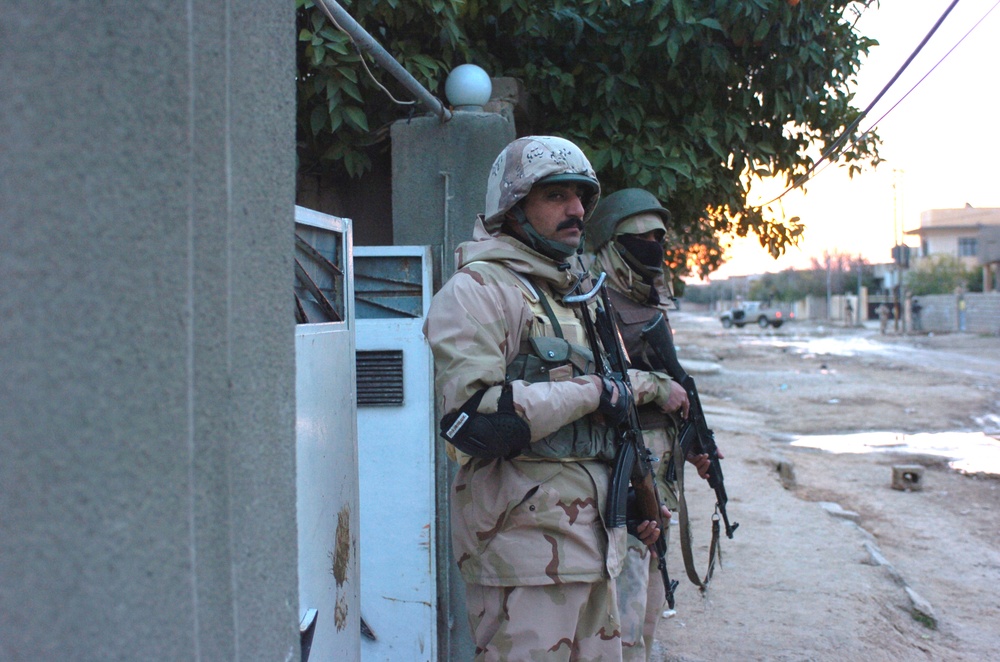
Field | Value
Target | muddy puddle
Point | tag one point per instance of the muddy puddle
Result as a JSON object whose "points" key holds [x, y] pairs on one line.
{"points": [[967, 452]]}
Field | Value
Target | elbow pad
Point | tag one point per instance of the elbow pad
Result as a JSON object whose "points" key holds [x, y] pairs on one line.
{"points": [[503, 434]]}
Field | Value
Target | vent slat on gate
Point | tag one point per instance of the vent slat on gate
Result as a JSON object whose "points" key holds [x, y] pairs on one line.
{"points": [[380, 377]]}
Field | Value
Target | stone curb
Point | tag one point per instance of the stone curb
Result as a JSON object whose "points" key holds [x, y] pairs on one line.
{"points": [[920, 608]]}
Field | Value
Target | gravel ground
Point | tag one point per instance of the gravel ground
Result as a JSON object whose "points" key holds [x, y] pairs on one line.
{"points": [[832, 563]]}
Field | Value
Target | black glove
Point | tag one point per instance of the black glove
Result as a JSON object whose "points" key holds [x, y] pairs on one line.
{"points": [[614, 413]]}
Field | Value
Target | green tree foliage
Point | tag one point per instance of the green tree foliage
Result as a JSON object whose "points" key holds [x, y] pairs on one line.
{"points": [[941, 274], [687, 98]]}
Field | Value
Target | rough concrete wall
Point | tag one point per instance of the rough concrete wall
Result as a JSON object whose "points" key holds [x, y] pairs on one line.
{"points": [[432, 161], [983, 312], [147, 391], [815, 308], [938, 312]]}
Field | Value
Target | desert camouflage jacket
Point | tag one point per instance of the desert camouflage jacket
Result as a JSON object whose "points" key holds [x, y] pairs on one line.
{"points": [[526, 521], [633, 313]]}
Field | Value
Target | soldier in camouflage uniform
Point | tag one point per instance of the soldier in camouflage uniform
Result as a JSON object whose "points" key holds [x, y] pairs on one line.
{"points": [[527, 420], [627, 235]]}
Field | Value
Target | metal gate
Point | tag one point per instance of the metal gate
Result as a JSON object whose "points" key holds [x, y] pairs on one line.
{"points": [[392, 289], [327, 499]]}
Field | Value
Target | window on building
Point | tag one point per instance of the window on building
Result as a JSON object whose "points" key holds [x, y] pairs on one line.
{"points": [[925, 248], [968, 247]]}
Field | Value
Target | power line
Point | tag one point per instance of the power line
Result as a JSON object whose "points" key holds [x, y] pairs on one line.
{"points": [[929, 71], [901, 99], [846, 132]]}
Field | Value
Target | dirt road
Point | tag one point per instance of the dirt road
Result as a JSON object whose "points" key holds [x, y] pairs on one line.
{"points": [[901, 575]]}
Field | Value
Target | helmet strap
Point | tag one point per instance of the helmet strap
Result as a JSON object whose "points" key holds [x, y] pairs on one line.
{"points": [[550, 248]]}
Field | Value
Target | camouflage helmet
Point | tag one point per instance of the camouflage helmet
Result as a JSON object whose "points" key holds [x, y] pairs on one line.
{"points": [[618, 206], [528, 161]]}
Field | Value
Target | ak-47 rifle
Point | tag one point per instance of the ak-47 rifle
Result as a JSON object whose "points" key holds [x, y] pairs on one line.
{"points": [[695, 438], [633, 459]]}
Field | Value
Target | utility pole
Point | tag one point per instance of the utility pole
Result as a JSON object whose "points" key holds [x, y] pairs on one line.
{"points": [[857, 313], [897, 253], [829, 294]]}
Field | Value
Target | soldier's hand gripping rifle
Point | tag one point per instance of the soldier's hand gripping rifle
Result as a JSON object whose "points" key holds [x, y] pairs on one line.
{"points": [[633, 459], [695, 436]]}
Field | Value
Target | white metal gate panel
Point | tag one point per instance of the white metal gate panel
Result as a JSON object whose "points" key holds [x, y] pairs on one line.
{"points": [[327, 498], [393, 286]]}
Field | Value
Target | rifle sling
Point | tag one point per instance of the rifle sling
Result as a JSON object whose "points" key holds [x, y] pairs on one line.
{"points": [[685, 531], [556, 328]]}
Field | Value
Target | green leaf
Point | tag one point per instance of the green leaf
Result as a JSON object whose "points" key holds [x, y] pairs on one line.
{"points": [[318, 118], [356, 117], [673, 47], [336, 118], [338, 46], [348, 73], [352, 90], [762, 29]]}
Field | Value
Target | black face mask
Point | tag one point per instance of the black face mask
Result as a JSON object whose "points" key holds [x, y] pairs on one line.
{"points": [[642, 255]]}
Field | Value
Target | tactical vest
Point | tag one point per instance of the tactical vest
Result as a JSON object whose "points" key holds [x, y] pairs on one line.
{"points": [[556, 350], [632, 316]]}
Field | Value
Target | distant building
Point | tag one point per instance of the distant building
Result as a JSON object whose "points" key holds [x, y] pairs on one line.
{"points": [[971, 234]]}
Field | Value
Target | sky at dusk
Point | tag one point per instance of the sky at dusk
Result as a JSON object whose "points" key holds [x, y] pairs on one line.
{"points": [[941, 144]]}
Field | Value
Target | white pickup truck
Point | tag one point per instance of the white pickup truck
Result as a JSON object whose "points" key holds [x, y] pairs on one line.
{"points": [[755, 312]]}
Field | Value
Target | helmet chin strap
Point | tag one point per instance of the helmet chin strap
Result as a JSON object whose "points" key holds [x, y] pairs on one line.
{"points": [[550, 248]]}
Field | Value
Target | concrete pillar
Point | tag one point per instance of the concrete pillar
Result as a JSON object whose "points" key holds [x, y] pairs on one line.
{"points": [[439, 173], [147, 391]]}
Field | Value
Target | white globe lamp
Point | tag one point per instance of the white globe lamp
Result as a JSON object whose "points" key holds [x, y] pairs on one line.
{"points": [[468, 87]]}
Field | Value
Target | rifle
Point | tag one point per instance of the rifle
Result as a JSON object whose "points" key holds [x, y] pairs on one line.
{"points": [[633, 460], [695, 437]]}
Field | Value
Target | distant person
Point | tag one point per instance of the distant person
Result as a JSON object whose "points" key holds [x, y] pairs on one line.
{"points": [[848, 313], [915, 309], [883, 317]]}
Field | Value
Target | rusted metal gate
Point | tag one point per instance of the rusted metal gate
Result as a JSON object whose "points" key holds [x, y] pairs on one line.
{"points": [[327, 499]]}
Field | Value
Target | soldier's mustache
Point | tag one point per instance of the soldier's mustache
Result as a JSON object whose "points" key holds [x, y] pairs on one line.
{"points": [[572, 222]]}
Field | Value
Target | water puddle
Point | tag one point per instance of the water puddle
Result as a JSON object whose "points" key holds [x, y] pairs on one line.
{"points": [[968, 452], [837, 346]]}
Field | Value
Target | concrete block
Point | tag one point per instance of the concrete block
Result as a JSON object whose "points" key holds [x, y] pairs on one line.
{"points": [[908, 477], [786, 472], [921, 609], [836, 510]]}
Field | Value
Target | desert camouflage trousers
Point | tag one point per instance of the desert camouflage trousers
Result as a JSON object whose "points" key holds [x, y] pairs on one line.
{"points": [[641, 601], [552, 623], [641, 596]]}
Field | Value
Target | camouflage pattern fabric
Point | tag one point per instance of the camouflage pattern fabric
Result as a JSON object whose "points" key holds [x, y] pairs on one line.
{"points": [[523, 163], [622, 279], [526, 623], [641, 595], [535, 524], [477, 323]]}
